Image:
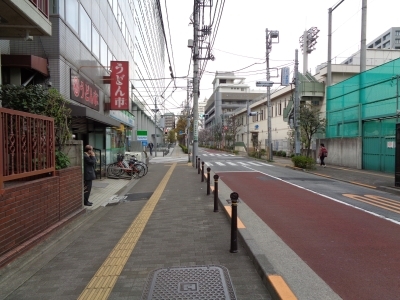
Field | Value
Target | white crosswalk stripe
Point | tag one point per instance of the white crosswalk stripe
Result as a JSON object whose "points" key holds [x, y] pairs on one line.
{"points": [[255, 164], [217, 154], [237, 164]]}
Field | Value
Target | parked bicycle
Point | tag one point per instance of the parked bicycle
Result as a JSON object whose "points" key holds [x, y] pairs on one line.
{"points": [[126, 168]]}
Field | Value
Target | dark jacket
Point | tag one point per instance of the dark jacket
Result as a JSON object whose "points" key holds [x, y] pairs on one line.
{"points": [[88, 167]]}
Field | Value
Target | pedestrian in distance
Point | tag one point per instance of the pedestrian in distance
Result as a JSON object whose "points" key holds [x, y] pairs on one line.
{"points": [[323, 152], [88, 173], [150, 145]]}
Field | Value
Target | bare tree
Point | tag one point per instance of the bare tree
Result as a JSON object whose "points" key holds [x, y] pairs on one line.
{"points": [[310, 123], [233, 125]]}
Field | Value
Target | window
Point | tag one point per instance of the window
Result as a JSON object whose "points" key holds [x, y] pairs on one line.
{"points": [[397, 41], [103, 53], [386, 37], [262, 115], [57, 7], [397, 33], [386, 45], [222, 81], [61, 4], [95, 42], [72, 13], [280, 108], [85, 28]]}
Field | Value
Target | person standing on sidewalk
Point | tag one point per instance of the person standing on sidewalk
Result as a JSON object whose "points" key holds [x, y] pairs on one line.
{"points": [[88, 173], [323, 152], [150, 145]]}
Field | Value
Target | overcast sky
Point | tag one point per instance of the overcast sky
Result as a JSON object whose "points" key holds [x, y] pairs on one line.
{"points": [[240, 39]]}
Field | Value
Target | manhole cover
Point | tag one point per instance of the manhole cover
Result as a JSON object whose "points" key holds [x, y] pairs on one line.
{"points": [[197, 282], [138, 196]]}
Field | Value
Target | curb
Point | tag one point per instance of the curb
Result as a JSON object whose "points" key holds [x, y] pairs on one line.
{"points": [[274, 283]]}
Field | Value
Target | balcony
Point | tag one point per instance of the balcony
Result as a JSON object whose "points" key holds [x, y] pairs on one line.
{"points": [[19, 17]]}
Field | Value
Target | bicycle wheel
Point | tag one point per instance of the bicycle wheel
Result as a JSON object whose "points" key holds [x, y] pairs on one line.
{"points": [[139, 170], [146, 169], [114, 170]]}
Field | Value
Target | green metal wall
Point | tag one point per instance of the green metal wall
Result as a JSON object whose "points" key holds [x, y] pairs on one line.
{"points": [[366, 106], [369, 95], [379, 138]]}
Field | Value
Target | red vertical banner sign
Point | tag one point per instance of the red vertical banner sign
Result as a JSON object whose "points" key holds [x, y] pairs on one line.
{"points": [[119, 98]]}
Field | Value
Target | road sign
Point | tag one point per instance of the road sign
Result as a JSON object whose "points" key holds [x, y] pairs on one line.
{"points": [[264, 83], [285, 73]]}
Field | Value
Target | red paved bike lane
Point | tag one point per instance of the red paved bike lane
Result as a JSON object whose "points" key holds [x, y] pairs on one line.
{"points": [[355, 253]]}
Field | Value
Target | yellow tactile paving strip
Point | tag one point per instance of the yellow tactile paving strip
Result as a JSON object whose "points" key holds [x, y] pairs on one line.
{"points": [[102, 283]]}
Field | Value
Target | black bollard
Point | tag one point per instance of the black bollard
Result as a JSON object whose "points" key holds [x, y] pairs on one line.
{"points": [[208, 180], [202, 171], [198, 165], [216, 193], [196, 161], [234, 199]]}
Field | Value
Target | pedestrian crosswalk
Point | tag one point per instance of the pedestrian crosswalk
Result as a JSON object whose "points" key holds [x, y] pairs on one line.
{"points": [[217, 154], [236, 163]]}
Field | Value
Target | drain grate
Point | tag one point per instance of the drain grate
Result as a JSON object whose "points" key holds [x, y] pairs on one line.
{"points": [[192, 283], [138, 196]]}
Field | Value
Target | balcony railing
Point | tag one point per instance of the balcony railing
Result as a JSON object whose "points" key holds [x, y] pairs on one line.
{"points": [[42, 5], [27, 145]]}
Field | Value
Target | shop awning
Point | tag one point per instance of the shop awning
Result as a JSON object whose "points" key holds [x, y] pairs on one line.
{"points": [[25, 61], [82, 111]]}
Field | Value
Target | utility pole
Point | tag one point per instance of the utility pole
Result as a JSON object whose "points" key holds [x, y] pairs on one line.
{"points": [[248, 129], [269, 36], [195, 79], [363, 52], [155, 127], [329, 66], [296, 104], [269, 46], [305, 52], [187, 110]]}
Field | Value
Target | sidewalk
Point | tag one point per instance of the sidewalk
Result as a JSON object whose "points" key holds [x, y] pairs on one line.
{"points": [[162, 235]]}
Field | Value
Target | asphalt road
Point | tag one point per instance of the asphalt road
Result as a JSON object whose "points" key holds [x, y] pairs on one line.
{"points": [[348, 235]]}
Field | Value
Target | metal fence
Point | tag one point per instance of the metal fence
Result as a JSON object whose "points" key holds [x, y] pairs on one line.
{"points": [[27, 145], [373, 94]]}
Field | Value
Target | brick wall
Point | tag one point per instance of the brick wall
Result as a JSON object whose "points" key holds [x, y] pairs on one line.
{"points": [[29, 208], [71, 190]]}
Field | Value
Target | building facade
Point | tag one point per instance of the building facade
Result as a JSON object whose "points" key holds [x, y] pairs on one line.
{"points": [[390, 39], [85, 37], [230, 92]]}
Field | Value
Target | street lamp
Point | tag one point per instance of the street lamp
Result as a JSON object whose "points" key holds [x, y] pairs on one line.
{"points": [[272, 37]]}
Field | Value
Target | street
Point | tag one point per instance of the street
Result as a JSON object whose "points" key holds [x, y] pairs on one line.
{"points": [[347, 234]]}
